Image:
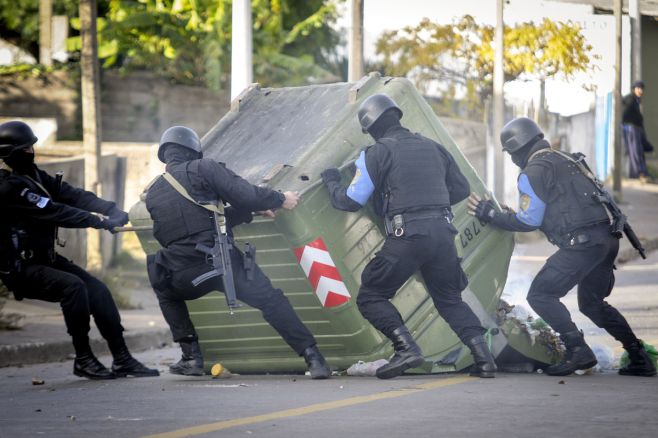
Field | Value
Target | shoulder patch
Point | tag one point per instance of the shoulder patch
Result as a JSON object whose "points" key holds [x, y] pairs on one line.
{"points": [[34, 198]]}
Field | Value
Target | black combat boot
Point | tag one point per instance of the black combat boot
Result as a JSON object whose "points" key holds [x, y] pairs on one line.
{"points": [[484, 366], [407, 355], [577, 357], [317, 366], [86, 365], [640, 363], [125, 365], [191, 363]]}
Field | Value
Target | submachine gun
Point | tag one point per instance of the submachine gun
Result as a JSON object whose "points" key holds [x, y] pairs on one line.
{"points": [[220, 253], [620, 225]]}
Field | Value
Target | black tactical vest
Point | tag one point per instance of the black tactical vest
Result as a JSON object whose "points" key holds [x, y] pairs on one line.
{"points": [[174, 217], [416, 177], [571, 203]]}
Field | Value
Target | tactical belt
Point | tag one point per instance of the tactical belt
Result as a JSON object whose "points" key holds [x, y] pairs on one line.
{"points": [[576, 237], [395, 225]]}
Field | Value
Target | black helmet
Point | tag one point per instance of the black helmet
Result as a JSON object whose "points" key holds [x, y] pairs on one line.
{"points": [[15, 135], [519, 133], [181, 136], [373, 107]]}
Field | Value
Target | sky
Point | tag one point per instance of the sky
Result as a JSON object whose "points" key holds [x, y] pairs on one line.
{"points": [[562, 97]]}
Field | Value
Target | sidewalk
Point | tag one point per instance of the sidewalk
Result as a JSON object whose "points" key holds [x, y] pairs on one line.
{"points": [[43, 337]]}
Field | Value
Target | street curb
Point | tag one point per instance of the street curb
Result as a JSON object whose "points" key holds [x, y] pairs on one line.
{"points": [[59, 351]]}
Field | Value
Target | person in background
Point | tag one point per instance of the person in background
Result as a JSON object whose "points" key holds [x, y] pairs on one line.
{"points": [[635, 136]]}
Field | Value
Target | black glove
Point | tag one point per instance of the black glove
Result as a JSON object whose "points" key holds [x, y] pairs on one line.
{"points": [[485, 211], [109, 224], [118, 216], [330, 175]]}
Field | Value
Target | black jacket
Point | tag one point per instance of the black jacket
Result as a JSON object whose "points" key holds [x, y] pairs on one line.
{"points": [[33, 206], [632, 114], [179, 224], [410, 172]]}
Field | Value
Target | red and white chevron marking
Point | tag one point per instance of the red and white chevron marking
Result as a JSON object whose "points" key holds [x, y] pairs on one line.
{"points": [[322, 273]]}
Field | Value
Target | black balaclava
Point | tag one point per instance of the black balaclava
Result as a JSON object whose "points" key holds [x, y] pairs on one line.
{"points": [[520, 157], [390, 118], [21, 161], [174, 153]]}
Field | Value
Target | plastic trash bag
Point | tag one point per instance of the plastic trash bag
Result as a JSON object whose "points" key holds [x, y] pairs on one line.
{"points": [[605, 357], [362, 368]]}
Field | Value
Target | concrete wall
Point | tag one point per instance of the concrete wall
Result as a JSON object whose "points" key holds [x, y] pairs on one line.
{"points": [[113, 180], [135, 108], [51, 96], [650, 77]]}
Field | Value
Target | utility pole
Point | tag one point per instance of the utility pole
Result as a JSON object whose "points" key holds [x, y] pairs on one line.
{"points": [[356, 71], [45, 32], [616, 119], [636, 39], [498, 105], [241, 47], [91, 119]]}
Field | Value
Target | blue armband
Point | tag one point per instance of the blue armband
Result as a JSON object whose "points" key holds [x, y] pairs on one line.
{"points": [[361, 186], [531, 208]]}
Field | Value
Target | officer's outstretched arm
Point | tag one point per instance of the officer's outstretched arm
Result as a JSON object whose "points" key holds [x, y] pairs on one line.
{"points": [[337, 192], [356, 195], [508, 220]]}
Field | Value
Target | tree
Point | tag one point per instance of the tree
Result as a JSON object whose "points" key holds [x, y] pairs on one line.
{"points": [[189, 41], [462, 53]]}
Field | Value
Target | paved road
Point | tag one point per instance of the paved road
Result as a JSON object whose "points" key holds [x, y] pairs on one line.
{"points": [[512, 405]]}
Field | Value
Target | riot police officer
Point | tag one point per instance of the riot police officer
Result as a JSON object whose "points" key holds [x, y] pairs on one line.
{"points": [[558, 198], [34, 204], [415, 181], [181, 224]]}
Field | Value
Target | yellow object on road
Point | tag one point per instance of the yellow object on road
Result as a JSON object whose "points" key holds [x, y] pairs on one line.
{"points": [[217, 369]]}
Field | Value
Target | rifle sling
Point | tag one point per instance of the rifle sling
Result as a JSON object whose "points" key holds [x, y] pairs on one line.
{"points": [[218, 210]]}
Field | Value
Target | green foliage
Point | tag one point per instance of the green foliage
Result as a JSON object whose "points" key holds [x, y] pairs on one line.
{"points": [[189, 41], [463, 53], [19, 20]]}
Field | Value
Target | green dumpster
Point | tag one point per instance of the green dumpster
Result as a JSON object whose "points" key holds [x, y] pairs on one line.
{"points": [[284, 138]]}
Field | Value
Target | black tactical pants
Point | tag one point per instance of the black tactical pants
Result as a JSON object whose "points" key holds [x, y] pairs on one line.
{"points": [[427, 245], [79, 294], [258, 293], [590, 267]]}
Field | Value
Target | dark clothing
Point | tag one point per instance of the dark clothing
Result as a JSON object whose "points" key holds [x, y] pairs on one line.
{"points": [[634, 136], [79, 294], [32, 207], [632, 113], [180, 224], [411, 172], [431, 249], [579, 225], [590, 267], [417, 178], [568, 194], [258, 293]]}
